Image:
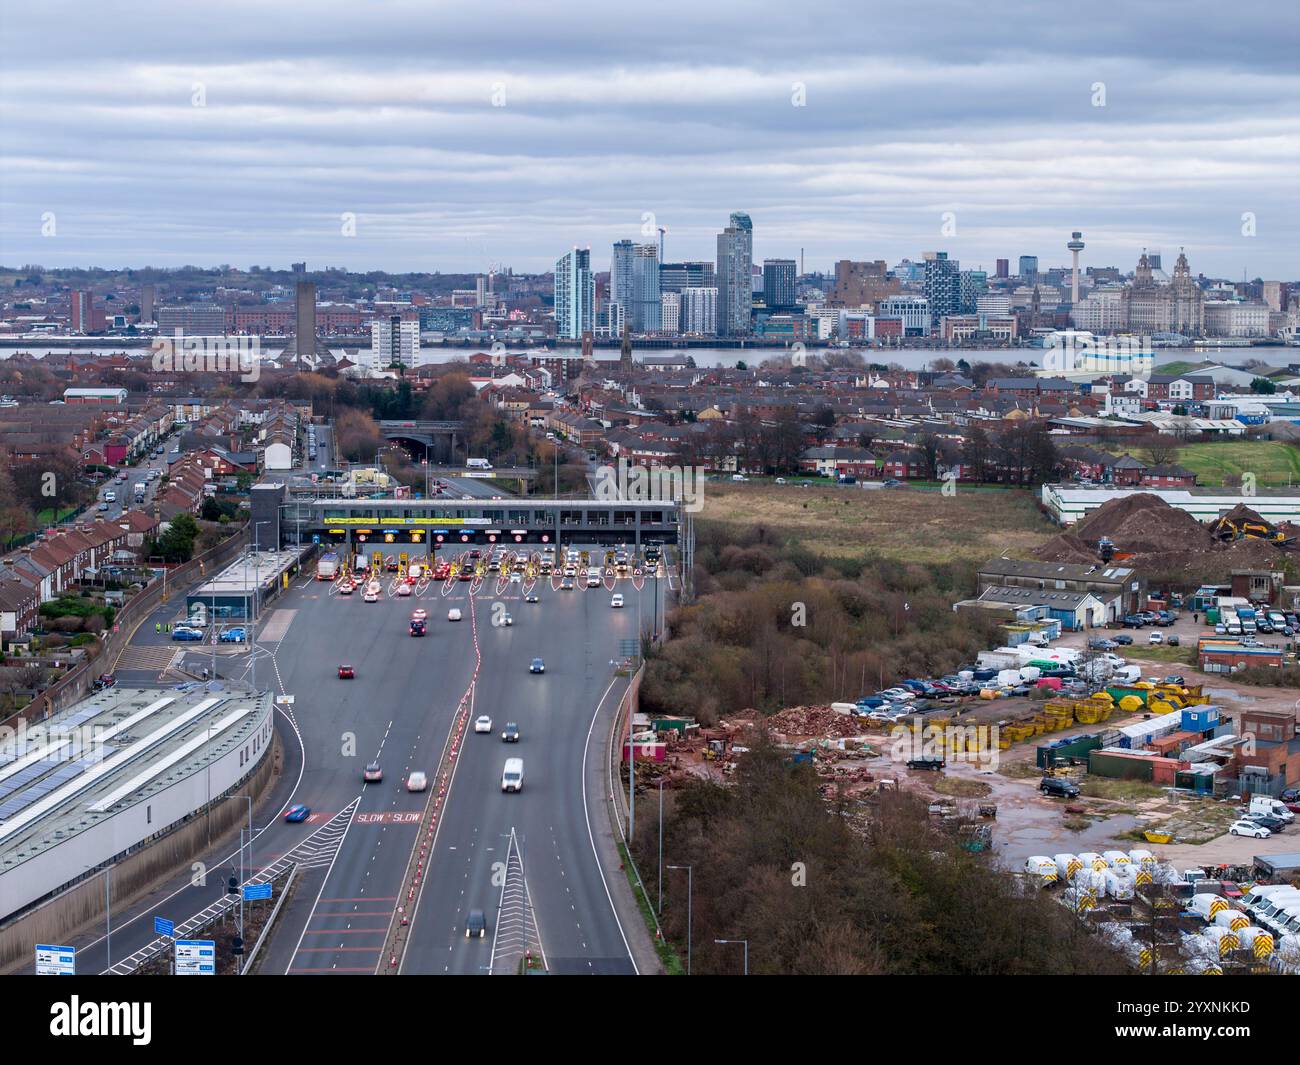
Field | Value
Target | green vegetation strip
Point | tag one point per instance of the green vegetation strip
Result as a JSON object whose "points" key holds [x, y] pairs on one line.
{"points": [[673, 965]]}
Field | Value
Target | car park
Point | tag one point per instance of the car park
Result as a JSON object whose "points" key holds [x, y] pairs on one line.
{"points": [[373, 774], [297, 813], [537, 666], [483, 723], [346, 672]]}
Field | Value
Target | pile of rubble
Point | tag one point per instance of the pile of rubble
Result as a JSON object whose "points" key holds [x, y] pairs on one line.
{"points": [[1161, 539], [814, 721]]}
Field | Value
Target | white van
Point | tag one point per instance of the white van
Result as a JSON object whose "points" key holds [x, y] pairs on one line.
{"points": [[1266, 804], [478, 464], [512, 776], [594, 578]]}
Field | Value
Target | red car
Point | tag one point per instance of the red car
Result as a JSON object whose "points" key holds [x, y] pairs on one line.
{"points": [[347, 673]]}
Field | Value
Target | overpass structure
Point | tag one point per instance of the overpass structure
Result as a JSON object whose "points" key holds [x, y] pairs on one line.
{"points": [[435, 436]]}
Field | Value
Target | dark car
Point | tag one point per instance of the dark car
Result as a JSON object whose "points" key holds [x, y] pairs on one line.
{"points": [[1062, 789], [418, 628], [928, 762], [537, 666], [1172, 640], [1122, 640], [1273, 824], [1102, 644], [510, 734], [1134, 621], [475, 925], [104, 680]]}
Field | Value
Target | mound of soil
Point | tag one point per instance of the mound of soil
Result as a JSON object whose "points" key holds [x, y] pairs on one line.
{"points": [[1162, 540]]}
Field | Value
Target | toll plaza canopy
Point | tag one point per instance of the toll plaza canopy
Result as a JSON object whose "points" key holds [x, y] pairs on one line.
{"points": [[362, 522]]}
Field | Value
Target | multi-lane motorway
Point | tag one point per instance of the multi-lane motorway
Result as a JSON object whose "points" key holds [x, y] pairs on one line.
{"points": [[399, 711]]}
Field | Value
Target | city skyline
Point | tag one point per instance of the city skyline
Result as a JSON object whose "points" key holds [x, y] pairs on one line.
{"points": [[439, 149]]}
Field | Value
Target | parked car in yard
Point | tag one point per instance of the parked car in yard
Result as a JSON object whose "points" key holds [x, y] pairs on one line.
{"points": [[1156, 638], [1246, 827], [1273, 824], [1134, 621], [1121, 640], [1055, 786]]}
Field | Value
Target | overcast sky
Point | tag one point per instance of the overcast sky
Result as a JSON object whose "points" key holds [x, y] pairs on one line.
{"points": [[480, 134]]}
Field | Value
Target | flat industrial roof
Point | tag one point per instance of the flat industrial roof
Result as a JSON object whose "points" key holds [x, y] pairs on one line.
{"points": [[67, 773], [246, 573]]}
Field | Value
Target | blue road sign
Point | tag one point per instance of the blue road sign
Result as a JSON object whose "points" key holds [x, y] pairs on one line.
{"points": [[55, 961], [315, 538], [253, 892], [164, 927], [196, 957]]}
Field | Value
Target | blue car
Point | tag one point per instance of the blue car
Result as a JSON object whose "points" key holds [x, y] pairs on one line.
{"points": [[187, 634], [297, 812], [232, 636], [537, 666]]}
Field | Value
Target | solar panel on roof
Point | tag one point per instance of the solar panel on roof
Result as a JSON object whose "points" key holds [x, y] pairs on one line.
{"points": [[44, 785]]}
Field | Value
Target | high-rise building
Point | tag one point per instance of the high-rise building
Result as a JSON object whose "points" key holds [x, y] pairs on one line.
{"points": [[575, 294], [942, 285], [646, 311], [974, 284], [779, 286], [80, 307], [913, 311], [304, 337], [1028, 270], [147, 296], [862, 284], [735, 285], [634, 284], [394, 342], [673, 277], [1003, 269], [699, 313], [670, 312]]}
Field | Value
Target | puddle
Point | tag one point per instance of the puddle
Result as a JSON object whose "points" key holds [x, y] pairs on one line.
{"points": [[1013, 844]]}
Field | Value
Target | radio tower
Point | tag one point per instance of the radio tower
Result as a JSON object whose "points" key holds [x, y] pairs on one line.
{"points": [[1075, 245]]}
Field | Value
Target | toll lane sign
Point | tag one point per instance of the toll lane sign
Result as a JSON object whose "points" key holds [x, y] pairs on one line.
{"points": [[55, 961], [196, 957]]}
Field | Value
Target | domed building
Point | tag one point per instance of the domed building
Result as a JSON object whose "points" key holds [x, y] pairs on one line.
{"points": [[1150, 306]]}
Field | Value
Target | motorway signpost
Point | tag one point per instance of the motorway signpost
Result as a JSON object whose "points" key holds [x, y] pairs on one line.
{"points": [[254, 892], [164, 927], [196, 957], [55, 961]]}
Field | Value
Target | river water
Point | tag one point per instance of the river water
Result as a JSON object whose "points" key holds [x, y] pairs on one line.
{"points": [[908, 358]]}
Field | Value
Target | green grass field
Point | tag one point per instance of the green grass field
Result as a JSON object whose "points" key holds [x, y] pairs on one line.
{"points": [[1271, 461], [904, 523]]}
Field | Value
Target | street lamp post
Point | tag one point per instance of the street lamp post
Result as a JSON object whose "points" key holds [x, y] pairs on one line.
{"points": [[661, 845], [690, 904], [744, 943]]}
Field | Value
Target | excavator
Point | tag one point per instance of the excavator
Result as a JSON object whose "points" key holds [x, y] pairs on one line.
{"points": [[1227, 530]]}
